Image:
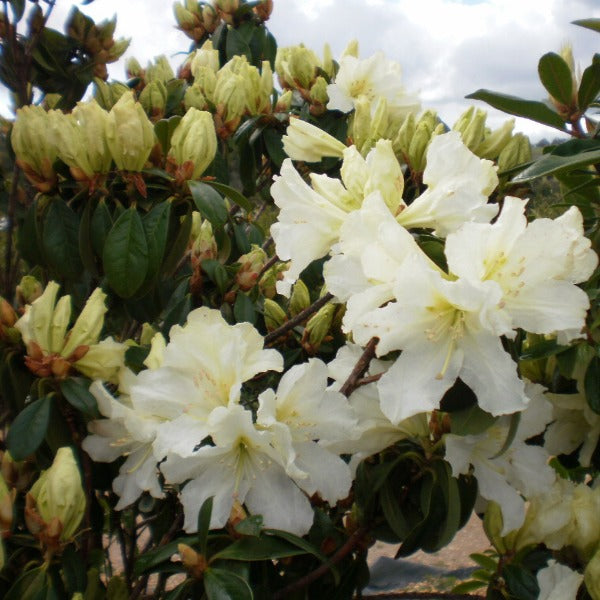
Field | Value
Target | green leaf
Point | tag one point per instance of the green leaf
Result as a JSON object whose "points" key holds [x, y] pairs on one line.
{"points": [[209, 202], [300, 543], [466, 587], [31, 584], [100, 225], [485, 561], [592, 384], [125, 256], [232, 194], [542, 349], [393, 512], [252, 526], [76, 392], [164, 131], [589, 88], [217, 273], [178, 245], [60, 239], [204, 516], [593, 24], [224, 585], [515, 419], [237, 45], [471, 421], [265, 547], [150, 560], [243, 309], [117, 589], [86, 249], [74, 570], [28, 430], [556, 77], [530, 109], [156, 228], [274, 143], [29, 239], [523, 584]]}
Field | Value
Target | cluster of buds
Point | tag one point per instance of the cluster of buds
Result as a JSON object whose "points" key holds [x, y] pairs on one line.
{"points": [[108, 94], [54, 350], [478, 138], [318, 328], [516, 152], [55, 505], [195, 19], [251, 266], [96, 39], [226, 10], [299, 69], [202, 246], [193, 146], [267, 284], [413, 139]]}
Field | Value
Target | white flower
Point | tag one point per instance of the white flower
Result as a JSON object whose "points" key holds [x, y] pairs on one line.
{"points": [[558, 582], [458, 186], [503, 477], [533, 264], [242, 466], [371, 77]]}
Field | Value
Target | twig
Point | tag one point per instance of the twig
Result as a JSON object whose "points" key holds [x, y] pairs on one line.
{"points": [[267, 266], [360, 368], [369, 379], [301, 316], [354, 540], [423, 596], [267, 242], [10, 215]]}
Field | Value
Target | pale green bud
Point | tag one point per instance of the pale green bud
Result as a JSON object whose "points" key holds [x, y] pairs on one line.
{"points": [[108, 94], [495, 141], [161, 70], [155, 357], [88, 326], [401, 142], [385, 175], [28, 290], [59, 494], [318, 325], [147, 334], [284, 102], [133, 68], [194, 140], [300, 298], [230, 97], [516, 152], [268, 282], [318, 92], [417, 150], [194, 98], [354, 173], [380, 120], [206, 56], [351, 49], [186, 20], [274, 315], [104, 360], [471, 126], [206, 80], [35, 324], [130, 134], [251, 264], [226, 9], [328, 65], [307, 142], [116, 50], [210, 18], [266, 84], [296, 66], [361, 124], [204, 246], [154, 99], [592, 576]]}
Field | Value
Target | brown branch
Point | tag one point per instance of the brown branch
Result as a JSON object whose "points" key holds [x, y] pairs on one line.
{"points": [[299, 318], [360, 368], [267, 266], [349, 545], [369, 379], [267, 242], [423, 596]]}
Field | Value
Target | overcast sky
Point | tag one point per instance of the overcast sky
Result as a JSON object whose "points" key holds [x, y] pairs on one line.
{"points": [[447, 48]]}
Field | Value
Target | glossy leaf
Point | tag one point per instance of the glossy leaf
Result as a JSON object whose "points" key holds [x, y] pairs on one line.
{"points": [[178, 245], [86, 249], [471, 421], [156, 228], [232, 194], [252, 525], [28, 429], [593, 24], [589, 88], [209, 202], [60, 239], [392, 511], [530, 109], [100, 225], [164, 130], [243, 309], [125, 255], [76, 392], [556, 77], [237, 45], [148, 561], [220, 584], [204, 516], [265, 547], [554, 164]]}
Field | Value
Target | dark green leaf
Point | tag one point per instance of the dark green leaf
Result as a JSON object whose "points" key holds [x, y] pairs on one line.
{"points": [[466, 587], [125, 255], [60, 239], [151, 559], [554, 164], [117, 589], [31, 584], [542, 349], [76, 392], [217, 273], [252, 526], [156, 227], [243, 309], [232, 194], [178, 245], [522, 584], [209, 202], [29, 238], [178, 314], [589, 88], [74, 570], [556, 77], [592, 384], [471, 421], [265, 547], [18, 9], [392, 511], [515, 419], [593, 24], [274, 143], [164, 131], [299, 543], [237, 45], [29, 428], [530, 109], [100, 226], [204, 516], [485, 561], [86, 249], [224, 585]]}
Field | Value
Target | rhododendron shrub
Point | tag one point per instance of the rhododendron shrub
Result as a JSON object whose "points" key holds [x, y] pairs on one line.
{"points": [[265, 309]]}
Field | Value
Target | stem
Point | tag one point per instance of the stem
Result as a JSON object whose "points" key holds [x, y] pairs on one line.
{"points": [[267, 266], [424, 596], [360, 368], [351, 543], [301, 316], [10, 215]]}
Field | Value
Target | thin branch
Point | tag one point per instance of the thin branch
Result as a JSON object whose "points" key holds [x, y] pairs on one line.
{"points": [[267, 266], [369, 379], [423, 596], [299, 318], [267, 242], [360, 368], [351, 543], [12, 208]]}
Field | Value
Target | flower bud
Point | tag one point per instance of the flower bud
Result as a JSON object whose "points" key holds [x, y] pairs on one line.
{"points": [[471, 126], [385, 175], [296, 67], [309, 143], [264, 9], [284, 102], [155, 358], [129, 134], [193, 144], [318, 326], [318, 96], [274, 315], [108, 94], [206, 56], [8, 316], [16, 474], [59, 497], [351, 49], [300, 298], [35, 146], [516, 152], [328, 65], [251, 265], [147, 334], [226, 9], [206, 80], [28, 290], [195, 564], [268, 282], [133, 68], [154, 99], [494, 142], [204, 246], [160, 70], [7, 500], [194, 98], [592, 576], [230, 100]]}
